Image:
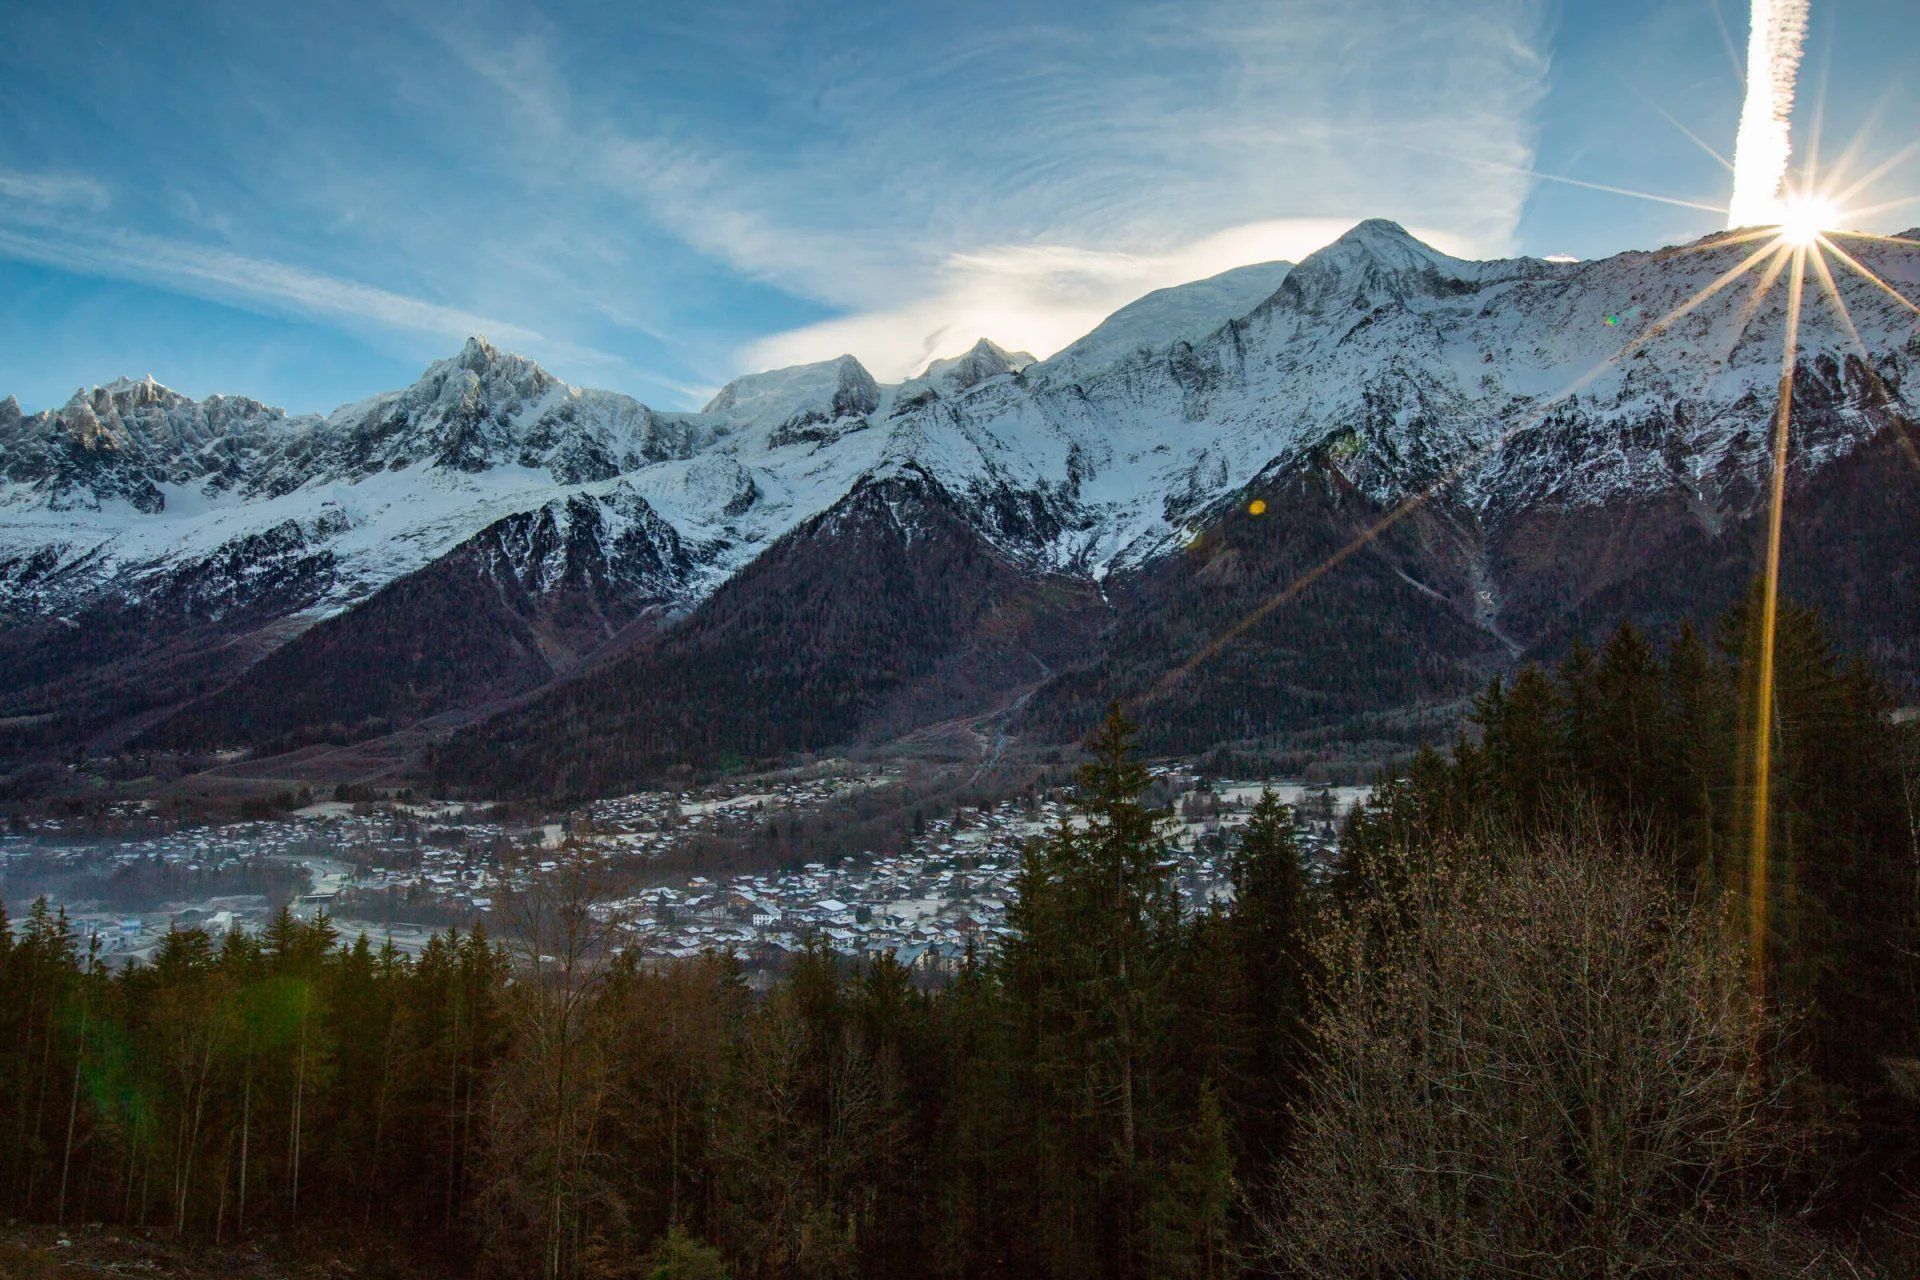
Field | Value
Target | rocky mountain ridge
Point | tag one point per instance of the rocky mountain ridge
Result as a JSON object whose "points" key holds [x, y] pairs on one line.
{"points": [[1524, 397]]}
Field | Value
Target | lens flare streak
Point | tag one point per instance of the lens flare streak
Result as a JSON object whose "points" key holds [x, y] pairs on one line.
{"points": [[1790, 248], [1759, 849]]}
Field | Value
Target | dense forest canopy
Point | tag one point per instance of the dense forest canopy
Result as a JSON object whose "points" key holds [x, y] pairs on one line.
{"points": [[1529, 1025]]}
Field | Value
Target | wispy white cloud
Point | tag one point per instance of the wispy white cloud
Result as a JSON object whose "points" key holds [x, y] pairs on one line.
{"points": [[1022, 181], [54, 189], [1038, 297], [229, 277], [630, 192]]}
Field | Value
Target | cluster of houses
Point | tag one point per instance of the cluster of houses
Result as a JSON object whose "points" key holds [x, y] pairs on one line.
{"points": [[927, 905], [924, 907], [651, 822], [405, 870]]}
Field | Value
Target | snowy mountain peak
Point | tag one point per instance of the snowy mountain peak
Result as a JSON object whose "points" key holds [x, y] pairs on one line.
{"points": [[481, 357], [124, 441], [1178, 313], [855, 391], [135, 390], [1384, 232], [824, 390], [984, 359], [1380, 261], [500, 371], [1378, 355], [1379, 247], [486, 408], [123, 395]]}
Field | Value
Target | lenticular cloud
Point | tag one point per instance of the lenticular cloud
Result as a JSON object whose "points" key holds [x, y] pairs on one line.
{"points": [[1778, 32]]}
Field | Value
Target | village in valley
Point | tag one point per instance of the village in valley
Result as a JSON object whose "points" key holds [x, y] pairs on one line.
{"points": [[400, 871]]}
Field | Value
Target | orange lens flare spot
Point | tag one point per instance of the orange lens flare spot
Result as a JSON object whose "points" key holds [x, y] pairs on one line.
{"points": [[1258, 507]]}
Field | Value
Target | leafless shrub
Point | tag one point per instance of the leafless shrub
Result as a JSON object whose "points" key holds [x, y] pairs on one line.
{"points": [[1538, 1062]]}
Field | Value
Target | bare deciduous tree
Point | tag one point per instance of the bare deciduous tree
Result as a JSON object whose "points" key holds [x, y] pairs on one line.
{"points": [[547, 1194], [1538, 1062]]}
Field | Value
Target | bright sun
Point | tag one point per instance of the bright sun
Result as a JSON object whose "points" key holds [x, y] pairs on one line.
{"points": [[1803, 218]]}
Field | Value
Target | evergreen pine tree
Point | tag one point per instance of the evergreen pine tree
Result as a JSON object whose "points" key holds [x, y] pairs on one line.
{"points": [[1093, 916], [1269, 927]]}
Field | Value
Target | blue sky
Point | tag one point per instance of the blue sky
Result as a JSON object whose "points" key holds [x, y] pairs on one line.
{"points": [[307, 203]]}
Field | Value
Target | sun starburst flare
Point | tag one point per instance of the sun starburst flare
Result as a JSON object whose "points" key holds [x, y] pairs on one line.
{"points": [[1797, 230], [1803, 218]]}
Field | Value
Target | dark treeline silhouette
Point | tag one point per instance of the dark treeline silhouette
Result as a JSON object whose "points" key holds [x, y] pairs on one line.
{"points": [[1514, 1033], [1661, 744]]}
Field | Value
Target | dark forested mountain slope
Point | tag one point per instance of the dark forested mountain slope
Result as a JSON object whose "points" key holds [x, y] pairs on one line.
{"points": [[526, 599], [1848, 551], [1241, 636], [888, 610], [117, 657]]}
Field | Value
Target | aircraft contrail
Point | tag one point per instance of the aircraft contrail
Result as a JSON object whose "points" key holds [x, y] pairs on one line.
{"points": [[1774, 42]]}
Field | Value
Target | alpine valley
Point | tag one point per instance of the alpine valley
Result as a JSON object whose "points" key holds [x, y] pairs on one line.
{"points": [[1278, 502]]}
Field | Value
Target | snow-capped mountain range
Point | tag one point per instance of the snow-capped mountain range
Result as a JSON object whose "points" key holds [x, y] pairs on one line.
{"points": [[1524, 385]]}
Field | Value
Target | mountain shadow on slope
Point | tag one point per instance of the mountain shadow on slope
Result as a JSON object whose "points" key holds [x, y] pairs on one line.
{"points": [[119, 659]]}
